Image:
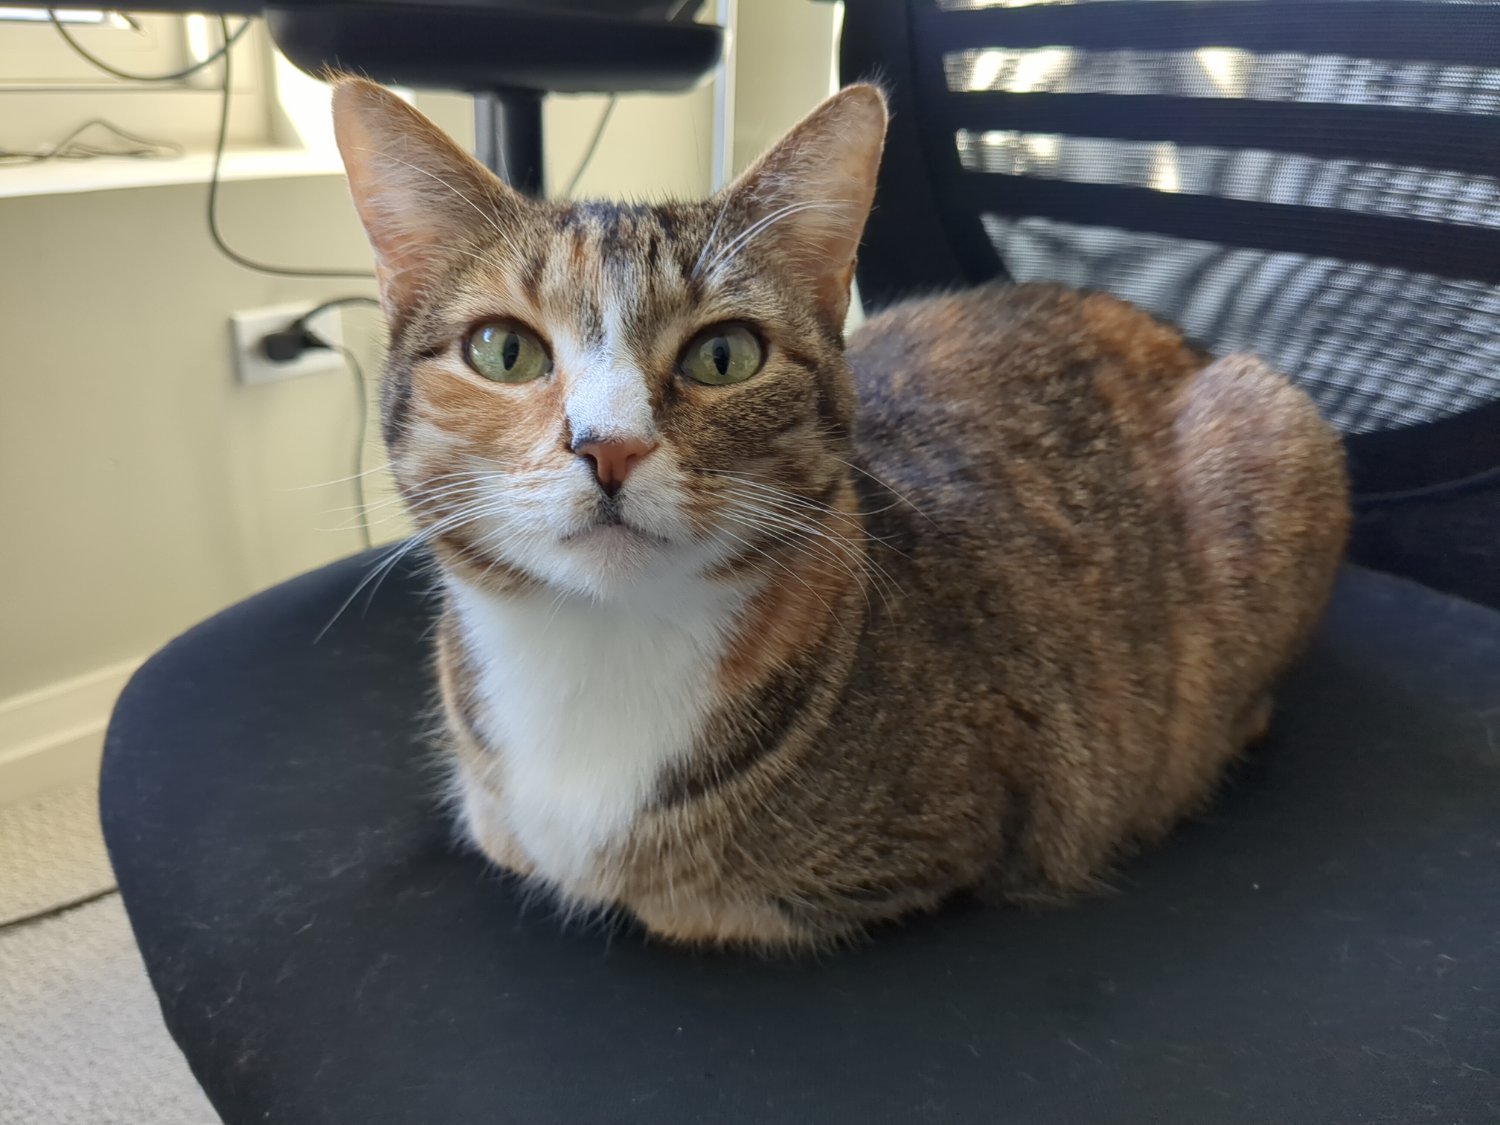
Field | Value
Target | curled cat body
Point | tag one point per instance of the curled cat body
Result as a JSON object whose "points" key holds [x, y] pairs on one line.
{"points": [[766, 637]]}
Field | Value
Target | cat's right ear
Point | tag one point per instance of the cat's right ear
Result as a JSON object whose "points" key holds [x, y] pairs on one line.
{"points": [[417, 193]]}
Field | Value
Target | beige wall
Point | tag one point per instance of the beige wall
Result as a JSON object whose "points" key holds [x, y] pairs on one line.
{"points": [[785, 66], [142, 487], [653, 147]]}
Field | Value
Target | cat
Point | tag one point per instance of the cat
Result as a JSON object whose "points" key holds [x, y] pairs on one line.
{"points": [[766, 639]]}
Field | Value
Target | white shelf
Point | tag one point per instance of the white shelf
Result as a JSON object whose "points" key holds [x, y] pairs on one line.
{"points": [[57, 177]]}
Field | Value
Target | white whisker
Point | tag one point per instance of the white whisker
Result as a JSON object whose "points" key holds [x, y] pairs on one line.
{"points": [[489, 219], [781, 497], [783, 530], [836, 548], [387, 562], [339, 480], [767, 554], [713, 233], [889, 488], [724, 257]]}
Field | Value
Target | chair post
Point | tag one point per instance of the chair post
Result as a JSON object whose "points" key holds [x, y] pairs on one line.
{"points": [[508, 137]]}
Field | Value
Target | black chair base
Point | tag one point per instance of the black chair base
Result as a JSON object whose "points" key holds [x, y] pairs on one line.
{"points": [[1320, 947]]}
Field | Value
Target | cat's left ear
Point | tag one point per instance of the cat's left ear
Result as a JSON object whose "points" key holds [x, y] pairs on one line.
{"points": [[421, 197], [809, 197]]}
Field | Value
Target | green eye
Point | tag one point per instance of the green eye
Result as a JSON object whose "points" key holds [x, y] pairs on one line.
{"points": [[723, 354], [506, 353]]}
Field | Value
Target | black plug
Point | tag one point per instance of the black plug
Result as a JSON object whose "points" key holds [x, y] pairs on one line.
{"points": [[288, 345]]}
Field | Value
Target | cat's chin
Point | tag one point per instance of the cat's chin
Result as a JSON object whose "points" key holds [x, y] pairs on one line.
{"points": [[614, 537], [611, 557]]}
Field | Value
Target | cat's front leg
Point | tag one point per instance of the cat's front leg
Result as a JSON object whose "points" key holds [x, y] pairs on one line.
{"points": [[484, 825], [475, 795]]}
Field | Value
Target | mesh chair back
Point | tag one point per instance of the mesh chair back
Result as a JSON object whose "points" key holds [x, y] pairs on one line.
{"points": [[1317, 181]]}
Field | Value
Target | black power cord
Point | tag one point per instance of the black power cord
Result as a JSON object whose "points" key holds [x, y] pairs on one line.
{"points": [[213, 202], [290, 343], [176, 76], [223, 55]]}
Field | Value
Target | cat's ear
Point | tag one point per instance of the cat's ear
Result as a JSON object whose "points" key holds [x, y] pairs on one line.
{"points": [[417, 193], [810, 195]]}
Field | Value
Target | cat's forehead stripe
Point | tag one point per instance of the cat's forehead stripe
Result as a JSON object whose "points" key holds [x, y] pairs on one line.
{"points": [[621, 259], [531, 278]]}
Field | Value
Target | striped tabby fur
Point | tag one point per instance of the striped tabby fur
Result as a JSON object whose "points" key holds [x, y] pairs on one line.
{"points": [[979, 601]]}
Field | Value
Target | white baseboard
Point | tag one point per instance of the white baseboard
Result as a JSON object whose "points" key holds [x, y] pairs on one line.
{"points": [[55, 734]]}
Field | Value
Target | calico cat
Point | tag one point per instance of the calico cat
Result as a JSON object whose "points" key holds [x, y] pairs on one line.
{"points": [[767, 639]]}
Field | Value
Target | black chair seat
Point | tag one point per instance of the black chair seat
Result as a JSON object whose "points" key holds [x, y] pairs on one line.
{"points": [[1322, 946]]}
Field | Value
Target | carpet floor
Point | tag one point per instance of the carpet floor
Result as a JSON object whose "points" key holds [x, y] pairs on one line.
{"points": [[81, 1038]]}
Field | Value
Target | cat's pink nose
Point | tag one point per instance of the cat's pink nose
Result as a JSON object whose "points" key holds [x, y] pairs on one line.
{"points": [[614, 459]]}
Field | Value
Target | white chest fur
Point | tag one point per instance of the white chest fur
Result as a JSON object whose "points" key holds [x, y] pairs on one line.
{"points": [[588, 705]]}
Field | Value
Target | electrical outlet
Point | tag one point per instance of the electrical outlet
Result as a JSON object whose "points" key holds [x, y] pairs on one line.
{"points": [[247, 329]]}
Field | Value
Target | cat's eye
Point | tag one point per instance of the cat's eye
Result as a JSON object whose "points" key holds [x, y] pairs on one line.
{"points": [[506, 353], [723, 354]]}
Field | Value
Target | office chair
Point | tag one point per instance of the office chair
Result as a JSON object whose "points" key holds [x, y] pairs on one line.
{"points": [[1320, 946]]}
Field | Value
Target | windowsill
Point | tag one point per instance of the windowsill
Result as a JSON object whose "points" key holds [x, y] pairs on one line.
{"points": [[61, 177]]}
